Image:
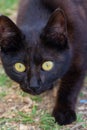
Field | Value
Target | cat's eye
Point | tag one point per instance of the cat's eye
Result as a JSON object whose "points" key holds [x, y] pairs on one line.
{"points": [[19, 67], [47, 66]]}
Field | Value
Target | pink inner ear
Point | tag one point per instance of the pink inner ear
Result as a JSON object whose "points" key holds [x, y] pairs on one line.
{"points": [[8, 31], [5, 32], [61, 19], [5, 35], [58, 21], [8, 26]]}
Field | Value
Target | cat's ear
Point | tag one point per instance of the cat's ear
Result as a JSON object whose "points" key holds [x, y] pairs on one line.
{"points": [[10, 35], [55, 32]]}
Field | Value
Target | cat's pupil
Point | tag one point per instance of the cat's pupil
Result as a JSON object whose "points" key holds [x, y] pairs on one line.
{"points": [[20, 66], [47, 65]]}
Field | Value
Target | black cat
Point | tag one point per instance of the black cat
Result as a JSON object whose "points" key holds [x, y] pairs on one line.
{"points": [[49, 42]]}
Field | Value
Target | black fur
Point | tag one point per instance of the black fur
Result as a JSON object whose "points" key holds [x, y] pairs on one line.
{"points": [[48, 31]]}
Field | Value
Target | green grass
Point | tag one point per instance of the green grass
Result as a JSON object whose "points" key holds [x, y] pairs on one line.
{"points": [[33, 98], [36, 98], [4, 83], [3, 94], [4, 80], [79, 118], [8, 128], [81, 95], [45, 121], [7, 7]]}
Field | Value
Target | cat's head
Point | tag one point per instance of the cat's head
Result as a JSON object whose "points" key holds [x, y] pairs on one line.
{"points": [[38, 62]]}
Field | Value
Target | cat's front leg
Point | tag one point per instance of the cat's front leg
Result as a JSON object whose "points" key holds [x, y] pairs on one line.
{"points": [[64, 111]]}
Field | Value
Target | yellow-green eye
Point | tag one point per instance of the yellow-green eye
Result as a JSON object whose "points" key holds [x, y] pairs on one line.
{"points": [[47, 66], [19, 67]]}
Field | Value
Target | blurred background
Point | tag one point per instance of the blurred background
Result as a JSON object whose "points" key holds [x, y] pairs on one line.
{"points": [[9, 7], [21, 111]]}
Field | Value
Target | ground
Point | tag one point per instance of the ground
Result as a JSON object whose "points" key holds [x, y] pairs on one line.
{"points": [[21, 111]]}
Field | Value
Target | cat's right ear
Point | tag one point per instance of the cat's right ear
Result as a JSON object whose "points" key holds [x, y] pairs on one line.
{"points": [[10, 35], [55, 31]]}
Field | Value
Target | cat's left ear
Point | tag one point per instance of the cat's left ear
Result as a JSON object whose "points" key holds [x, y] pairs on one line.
{"points": [[10, 34], [55, 32]]}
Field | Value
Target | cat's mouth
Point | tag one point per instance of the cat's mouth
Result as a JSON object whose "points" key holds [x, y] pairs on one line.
{"points": [[27, 90], [37, 91]]}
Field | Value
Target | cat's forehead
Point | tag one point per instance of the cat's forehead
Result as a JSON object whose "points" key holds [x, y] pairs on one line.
{"points": [[38, 52], [35, 45], [32, 35], [33, 41]]}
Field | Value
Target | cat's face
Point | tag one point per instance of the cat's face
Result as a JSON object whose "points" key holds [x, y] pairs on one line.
{"points": [[34, 64], [36, 69]]}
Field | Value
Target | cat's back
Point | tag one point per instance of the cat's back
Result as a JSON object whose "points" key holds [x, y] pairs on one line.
{"points": [[32, 12], [38, 11], [35, 14]]}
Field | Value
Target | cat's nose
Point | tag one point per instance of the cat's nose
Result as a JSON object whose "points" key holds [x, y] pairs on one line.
{"points": [[34, 84]]}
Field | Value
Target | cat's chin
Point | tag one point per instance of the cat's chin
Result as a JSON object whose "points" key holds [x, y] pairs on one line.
{"points": [[38, 92], [32, 92]]}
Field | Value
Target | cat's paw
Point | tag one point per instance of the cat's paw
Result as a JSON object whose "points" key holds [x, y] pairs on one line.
{"points": [[64, 117]]}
